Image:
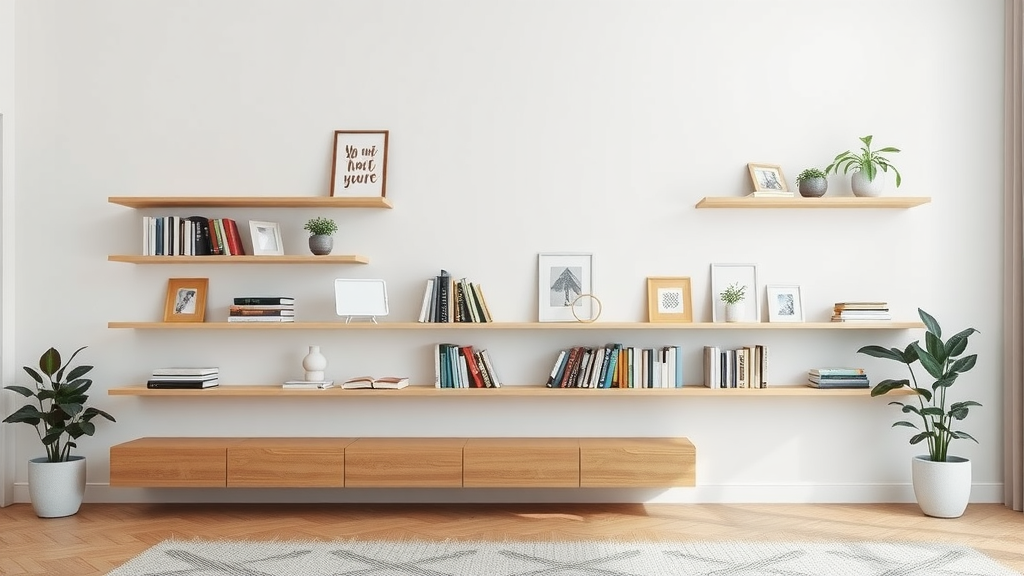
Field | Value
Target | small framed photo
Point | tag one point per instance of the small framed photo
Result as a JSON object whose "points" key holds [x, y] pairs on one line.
{"points": [[767, 177], [360, 165], [785, 303], [740, 276], [668, 299], [186, 299], [562, 279], [266, 238]]}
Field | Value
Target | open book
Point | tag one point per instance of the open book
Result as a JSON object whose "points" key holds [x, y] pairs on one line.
{"points": [[387, 382]]}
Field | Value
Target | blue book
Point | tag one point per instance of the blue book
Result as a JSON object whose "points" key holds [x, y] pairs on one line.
{"points": [[679, 366]]}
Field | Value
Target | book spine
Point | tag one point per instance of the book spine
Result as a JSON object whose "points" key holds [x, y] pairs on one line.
{"points": [[472, 370], [257, 312], [233, 237], [425, 306], [444, 296], [484, 375], [495, 381], [262, 301], [555, 370]]}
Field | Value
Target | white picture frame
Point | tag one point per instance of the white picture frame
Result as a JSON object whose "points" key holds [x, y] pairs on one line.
{"points": [[723, 275], [785, 303], [562, 277], [360, 297], [266, 238]]}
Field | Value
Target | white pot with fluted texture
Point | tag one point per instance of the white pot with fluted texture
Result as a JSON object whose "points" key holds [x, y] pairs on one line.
{"points": [[56, 488], [942, 489], [734, 312], [862, 186]]}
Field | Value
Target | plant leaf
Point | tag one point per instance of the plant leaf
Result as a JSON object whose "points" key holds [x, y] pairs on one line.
{"points": [[920, 436], [963, 436], [964, 364], [935, 347], [930, 323], [933, 411], [933, 366], [26, 392], [904, 423], [886, 386], [49, 362], [35, 375], [27, 414], [926, 393], [880, 352]]}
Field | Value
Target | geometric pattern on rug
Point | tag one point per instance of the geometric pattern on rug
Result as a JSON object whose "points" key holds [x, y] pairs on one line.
{"points": [[581, 558]]}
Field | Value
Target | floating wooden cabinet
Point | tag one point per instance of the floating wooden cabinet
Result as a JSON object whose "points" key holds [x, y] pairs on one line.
{"points": [[637, 462], [170, 462], [404, 463], [521, 463], [287, 463]]}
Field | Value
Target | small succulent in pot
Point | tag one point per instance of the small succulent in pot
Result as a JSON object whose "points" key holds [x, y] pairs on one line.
{"points": [[812, 183], [321, 226]]}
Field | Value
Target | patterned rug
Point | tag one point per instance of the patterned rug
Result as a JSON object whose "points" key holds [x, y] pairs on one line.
{"points": [[593, 558]]}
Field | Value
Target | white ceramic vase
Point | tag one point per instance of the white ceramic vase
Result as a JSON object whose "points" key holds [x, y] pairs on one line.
{"points": [[314, 363], [56, 488], [734, 312], [863, 187], [942, 489]]}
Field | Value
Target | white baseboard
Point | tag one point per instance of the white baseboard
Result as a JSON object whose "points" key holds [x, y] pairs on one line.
{"points": [[714, 494]]}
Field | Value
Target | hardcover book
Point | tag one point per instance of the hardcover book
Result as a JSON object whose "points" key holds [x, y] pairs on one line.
{"points": [[188, 384], [308, 384], [385, 383], [262, 300]]}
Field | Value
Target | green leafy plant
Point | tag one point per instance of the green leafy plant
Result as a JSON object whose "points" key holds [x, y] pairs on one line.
{"points": [[321, 226], [809, 174], [61, 416], [867, 161], [943, 361], [733, 293]]}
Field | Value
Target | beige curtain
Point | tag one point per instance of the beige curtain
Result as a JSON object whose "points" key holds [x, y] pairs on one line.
{"points": [[1013, 263]]}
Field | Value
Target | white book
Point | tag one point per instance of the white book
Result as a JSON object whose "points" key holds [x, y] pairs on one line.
{"points": [[425, 306], [185, 371], [308, 385], [145, 235], [495, 382]]}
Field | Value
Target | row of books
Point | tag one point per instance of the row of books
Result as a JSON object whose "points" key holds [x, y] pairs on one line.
{"points": [[837, 378], [745, 367], [854, 311], [459, 366], [262, 309], [448, 300], [617, 366], [184, 378], [190, 236]]}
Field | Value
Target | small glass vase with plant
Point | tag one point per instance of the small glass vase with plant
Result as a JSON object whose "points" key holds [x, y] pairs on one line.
{"points": [[320, 230]]}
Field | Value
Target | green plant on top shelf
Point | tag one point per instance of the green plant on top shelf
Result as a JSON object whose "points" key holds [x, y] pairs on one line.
{"points": [[809, 174], [733, 293], [868, 161], [321, 226]]}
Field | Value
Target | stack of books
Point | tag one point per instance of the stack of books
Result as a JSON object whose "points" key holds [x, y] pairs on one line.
{"points": [[837, 378], [308, 384], [184, 378], [262, 309], [854, 311]]}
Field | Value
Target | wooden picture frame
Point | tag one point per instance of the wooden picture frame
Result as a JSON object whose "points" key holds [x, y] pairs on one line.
{"points": [[669, 299], [266, 238], [186, 299], [767, 177], [785, 303], [723, 275], [360, 165], [562, 277]]}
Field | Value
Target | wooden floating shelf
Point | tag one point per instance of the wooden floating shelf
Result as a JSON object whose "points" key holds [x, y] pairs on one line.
{"points": [[248, 202], [823, 202], [235, 391], [287, 259], [341, 325]]}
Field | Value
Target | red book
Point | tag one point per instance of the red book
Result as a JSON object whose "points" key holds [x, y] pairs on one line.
{"points": [[474, 370], [233, 238]]}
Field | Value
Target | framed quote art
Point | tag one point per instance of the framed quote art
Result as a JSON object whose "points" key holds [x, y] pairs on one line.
{"points": [[360, 165], [669, 300]]}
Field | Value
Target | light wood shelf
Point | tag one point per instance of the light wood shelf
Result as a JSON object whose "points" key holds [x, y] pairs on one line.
{"points": [[823, 202], [287, 259], [248, 202], [591, 326], [236, 391]]}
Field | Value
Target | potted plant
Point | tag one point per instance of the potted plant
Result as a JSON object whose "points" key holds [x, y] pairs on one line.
{"points": [[732, 295], [942, 482], [866, 165], [320, 240], [812, 183], [56, 482]]}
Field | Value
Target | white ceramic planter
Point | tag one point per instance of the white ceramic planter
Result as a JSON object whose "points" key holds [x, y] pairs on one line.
{"points": [[734, 312], [942, 489], [56, 488], [861, 186]]}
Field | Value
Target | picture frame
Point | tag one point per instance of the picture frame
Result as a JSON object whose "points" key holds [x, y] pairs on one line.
{"points": [[360, 165], [767, 177], [562, 278], [723, 275], [266, 238], [669, 299], [785, 303], [186, 299]]}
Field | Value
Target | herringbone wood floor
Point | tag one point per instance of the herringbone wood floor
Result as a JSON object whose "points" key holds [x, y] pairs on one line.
{"points": [[103, 536]]}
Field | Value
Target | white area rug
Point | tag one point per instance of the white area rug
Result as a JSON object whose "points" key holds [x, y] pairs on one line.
{"points": [[592, 558]]}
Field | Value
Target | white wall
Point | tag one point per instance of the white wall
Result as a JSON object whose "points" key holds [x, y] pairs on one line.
{"points": [[518, 128], [6, 241]]}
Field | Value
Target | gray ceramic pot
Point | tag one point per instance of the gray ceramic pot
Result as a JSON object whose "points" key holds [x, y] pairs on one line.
{"points": [[813, 187], [321, 245]]}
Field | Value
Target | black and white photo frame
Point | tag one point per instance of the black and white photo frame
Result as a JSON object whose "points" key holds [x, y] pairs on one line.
{"points": [[785, 303], [564, 278]]}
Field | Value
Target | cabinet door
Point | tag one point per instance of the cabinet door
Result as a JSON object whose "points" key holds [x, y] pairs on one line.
{"points": [[637, 462], [287, 462]]}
